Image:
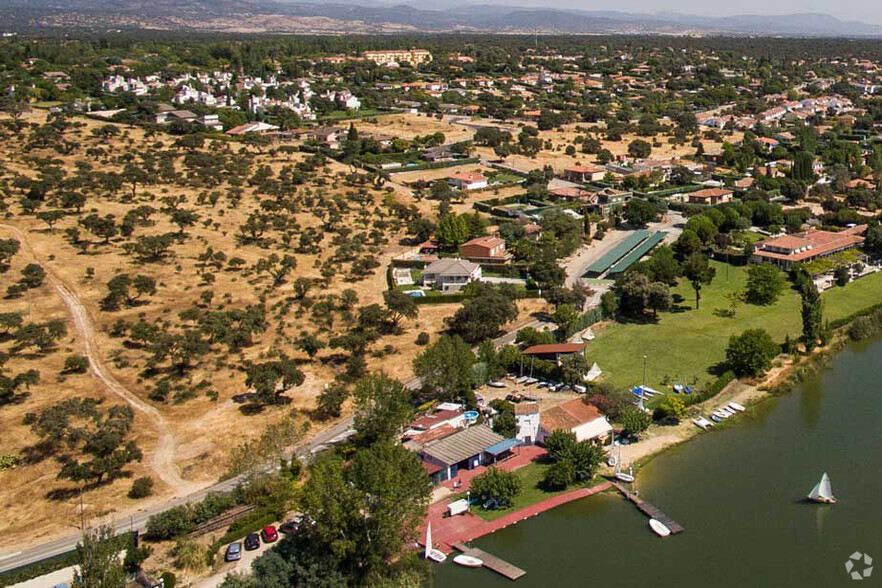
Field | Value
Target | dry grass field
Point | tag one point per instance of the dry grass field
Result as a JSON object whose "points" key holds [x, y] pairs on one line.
{"points": [[186, 437]]}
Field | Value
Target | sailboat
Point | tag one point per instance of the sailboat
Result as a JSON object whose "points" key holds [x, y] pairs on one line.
{"points": [[620, 475], [823, 491], [432, 553]]}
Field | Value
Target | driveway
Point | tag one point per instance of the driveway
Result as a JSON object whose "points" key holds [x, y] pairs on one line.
{"points": [[243, 566]]}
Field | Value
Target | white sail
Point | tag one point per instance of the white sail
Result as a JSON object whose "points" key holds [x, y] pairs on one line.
{"points": [[822, 491], [428, 540]]}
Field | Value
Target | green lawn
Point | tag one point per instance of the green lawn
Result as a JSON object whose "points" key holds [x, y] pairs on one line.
{"points": [[686, 344], [532, 476]]}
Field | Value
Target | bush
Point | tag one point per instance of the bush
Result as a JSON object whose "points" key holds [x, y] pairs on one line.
{"points": [[169, 580], [422, 339], [76, 364], [498, 486], [751, 352], [172, 523], [634, 420], [141, 488]]}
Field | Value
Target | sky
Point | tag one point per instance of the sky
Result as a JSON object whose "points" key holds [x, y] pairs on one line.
{"points": [[867, 11]]}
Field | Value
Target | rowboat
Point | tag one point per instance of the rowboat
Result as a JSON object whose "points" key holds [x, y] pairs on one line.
{"points": [[468, 561], [496, 384], [659, 528], [736, 406]]}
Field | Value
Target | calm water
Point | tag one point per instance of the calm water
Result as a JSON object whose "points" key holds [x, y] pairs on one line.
{"points": [[738, 494]]}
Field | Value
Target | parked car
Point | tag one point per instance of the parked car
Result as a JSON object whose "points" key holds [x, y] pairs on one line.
{"points": [[269, 534], [234, 551], [252, 541], [289, 527]]}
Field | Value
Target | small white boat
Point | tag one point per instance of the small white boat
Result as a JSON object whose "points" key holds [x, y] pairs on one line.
{"points": [[823, 491], [722, 414], [627, 477], [659, 528], [468, 561], [530, 381], [496, 384], [702, 423], [433, 554], [678, 388], [736, 406], [521, 380]]}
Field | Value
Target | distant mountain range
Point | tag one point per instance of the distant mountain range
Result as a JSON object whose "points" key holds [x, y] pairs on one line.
{"points": [[385, 17]]}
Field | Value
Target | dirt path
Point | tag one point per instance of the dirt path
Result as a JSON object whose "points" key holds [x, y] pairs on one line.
{"points": [[162, 462]]}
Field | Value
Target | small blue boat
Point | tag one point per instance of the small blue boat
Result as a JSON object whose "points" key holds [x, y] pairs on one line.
{"points": [[687, 390]]}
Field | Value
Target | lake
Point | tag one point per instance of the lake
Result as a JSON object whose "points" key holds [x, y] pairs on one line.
{"points": [[739, 494]]}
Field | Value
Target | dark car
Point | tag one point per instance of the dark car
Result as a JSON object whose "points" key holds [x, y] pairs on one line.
{"points": [[289, 527], [252, 541], [269, 534], [234, 552]]}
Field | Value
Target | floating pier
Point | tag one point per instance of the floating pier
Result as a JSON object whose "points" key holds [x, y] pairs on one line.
{"points": [[650, 509], [491, 562]]}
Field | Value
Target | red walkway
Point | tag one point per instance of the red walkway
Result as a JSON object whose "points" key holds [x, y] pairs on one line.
{"points": [[467, 527]]}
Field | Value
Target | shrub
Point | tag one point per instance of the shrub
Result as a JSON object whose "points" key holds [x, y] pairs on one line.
{"points": [[422, 339], [141, 488], [751, 352], [498, 486], [172, 523], [169, 580], [76, 364], [634, 420]]}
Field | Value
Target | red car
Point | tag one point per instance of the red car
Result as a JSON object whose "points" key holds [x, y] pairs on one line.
{"points": [[269, 534]]}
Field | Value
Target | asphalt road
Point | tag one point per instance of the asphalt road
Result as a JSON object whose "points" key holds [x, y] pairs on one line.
{"points": [[137, 520]]}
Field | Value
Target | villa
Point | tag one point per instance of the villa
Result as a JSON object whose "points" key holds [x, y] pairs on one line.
{"points": [[805, 247], [451, 275]]}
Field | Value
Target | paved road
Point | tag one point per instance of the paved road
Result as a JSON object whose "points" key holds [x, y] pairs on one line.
{"points": [[138, 520]]}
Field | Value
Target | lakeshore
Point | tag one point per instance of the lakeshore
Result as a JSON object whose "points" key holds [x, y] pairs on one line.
{"points": [[739, 493]]}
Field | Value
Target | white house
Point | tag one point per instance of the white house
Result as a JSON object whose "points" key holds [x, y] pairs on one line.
{"points": [[468, 181], [451, 275], [527, 420]]}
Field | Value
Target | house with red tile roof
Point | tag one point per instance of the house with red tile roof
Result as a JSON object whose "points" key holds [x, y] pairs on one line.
{"points": [[584, 173], [805, 247], [485, 250], [468, 181], [710, 196], [575, 416]]}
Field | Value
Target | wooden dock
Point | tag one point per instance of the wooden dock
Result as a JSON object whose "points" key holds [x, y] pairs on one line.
{"points": [[491, 562], [650, 509]]}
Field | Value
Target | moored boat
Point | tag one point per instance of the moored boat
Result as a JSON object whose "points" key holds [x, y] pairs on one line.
{"points": [[736, 406], [433, 554], [468, 561], [659, 528]]}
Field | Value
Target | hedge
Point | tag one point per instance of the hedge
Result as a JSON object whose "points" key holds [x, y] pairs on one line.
{"points": [[714, 388], [434, 165]]}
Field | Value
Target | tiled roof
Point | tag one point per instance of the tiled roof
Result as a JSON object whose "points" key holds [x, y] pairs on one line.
{"points": [[451, 267], [526, 408], [568, 415]]}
